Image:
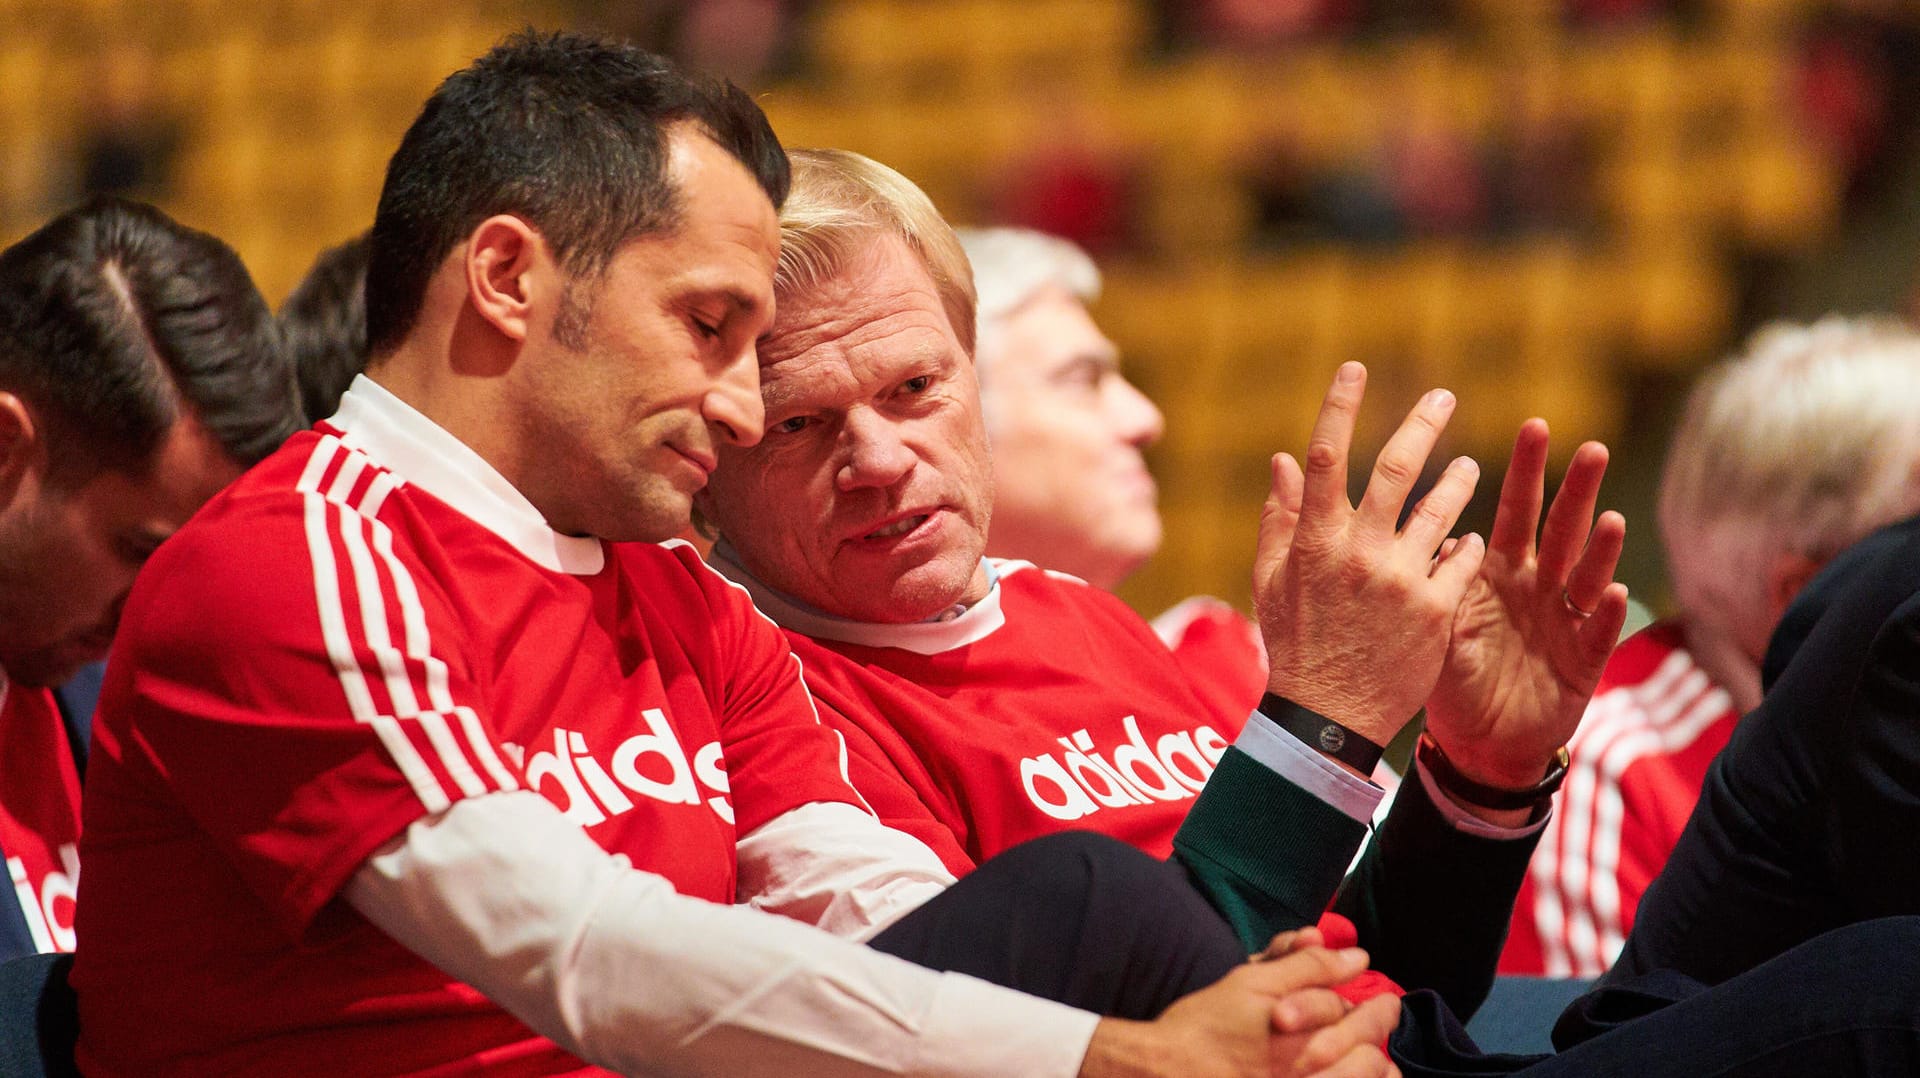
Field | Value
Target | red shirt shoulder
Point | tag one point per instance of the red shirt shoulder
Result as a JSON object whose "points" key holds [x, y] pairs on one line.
{"points": [[1221, 651]]}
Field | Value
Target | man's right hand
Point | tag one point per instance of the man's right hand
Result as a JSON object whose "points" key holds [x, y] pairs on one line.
{"points": [[1271, 1018], [1355, 611]]}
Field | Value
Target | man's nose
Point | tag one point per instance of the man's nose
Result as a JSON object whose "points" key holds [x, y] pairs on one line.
{"points": [[733, 406], [876, 455], [1140, 421]]}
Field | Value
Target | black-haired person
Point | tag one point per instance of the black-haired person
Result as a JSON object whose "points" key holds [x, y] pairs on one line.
{"points": [[324, 326], [139, 374], [412, 762]]}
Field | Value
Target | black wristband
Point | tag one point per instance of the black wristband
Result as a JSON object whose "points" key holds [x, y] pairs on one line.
{"points": [[1322, 734], [1465, 789]]}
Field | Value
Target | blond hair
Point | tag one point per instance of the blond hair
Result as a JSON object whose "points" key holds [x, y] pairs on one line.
{"points": [[841, 201], [1801, 444]]}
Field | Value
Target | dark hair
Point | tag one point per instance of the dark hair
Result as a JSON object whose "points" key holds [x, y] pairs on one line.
{"points": [[323, 325], [564, 130], [115, 321]]}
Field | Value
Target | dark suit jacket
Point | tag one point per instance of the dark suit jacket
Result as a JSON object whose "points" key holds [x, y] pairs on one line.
{"points": [[1809, 817]]}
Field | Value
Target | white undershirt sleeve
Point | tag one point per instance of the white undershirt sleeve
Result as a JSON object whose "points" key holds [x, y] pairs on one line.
{"points": [[614, 966], [837, 868]]}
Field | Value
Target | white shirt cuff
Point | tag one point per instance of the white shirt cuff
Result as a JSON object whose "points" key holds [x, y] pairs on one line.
{"points": [[1290, 758]]}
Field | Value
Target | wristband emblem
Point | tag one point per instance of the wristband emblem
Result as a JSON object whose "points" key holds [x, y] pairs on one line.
{"points": [[1315, 731]]}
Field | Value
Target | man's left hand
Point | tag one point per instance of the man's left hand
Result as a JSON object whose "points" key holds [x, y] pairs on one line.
{"points": [[1537, 624]]}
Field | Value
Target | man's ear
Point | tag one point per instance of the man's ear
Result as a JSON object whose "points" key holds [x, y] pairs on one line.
{"points": [[510, 274], [22, 442], [1787, 574]]}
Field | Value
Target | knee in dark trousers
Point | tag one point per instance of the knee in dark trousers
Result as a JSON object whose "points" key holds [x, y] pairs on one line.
{"points": [[1843, 1003], [1075, 917]]}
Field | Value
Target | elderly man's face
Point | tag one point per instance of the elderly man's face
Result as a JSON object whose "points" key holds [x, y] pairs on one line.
{"points": [[870, 495], [1072, 489]]}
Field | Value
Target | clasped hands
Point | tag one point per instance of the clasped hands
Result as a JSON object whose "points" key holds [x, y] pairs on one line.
{"points": [[1276, 1016], [1367, 620]]}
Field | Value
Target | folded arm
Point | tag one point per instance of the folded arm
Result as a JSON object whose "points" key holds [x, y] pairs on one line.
{"points": [[611, 964]]}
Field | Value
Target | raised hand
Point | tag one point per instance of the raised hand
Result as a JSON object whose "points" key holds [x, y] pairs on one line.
{"points": [[1356, 612], [1537, 624]]}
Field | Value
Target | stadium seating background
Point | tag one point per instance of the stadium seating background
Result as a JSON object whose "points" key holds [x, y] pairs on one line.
{"points": [[1703, 177]]}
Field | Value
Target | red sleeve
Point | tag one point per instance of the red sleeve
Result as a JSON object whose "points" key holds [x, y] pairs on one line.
{"points": [[778, 754], [874, 774], [1220, 651], [300, 688]]}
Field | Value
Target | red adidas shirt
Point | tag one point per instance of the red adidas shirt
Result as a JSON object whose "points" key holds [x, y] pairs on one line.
{"points": [[366, 627], [39, 813], [1219, 650], [1641, 754], [1047, 705]]}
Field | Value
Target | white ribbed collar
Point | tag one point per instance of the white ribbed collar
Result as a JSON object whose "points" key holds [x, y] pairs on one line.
{"points": [[973, 624], [423, 453]]}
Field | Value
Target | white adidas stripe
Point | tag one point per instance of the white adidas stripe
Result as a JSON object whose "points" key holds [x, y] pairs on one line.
{"points": [[332, 513], [1674, 728], [1594, 882], [1577, 908]]}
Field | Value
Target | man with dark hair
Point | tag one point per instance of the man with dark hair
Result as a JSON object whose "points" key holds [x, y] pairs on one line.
{"points": [[409, 744], [138, 375], [324, 326], [513, 149]]}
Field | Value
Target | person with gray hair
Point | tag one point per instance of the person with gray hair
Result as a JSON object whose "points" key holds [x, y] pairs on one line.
{"points": [[1786, 454], [1071, 487], [971, 691], [1004, 699]]}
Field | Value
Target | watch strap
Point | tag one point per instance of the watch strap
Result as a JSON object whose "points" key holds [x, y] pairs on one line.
{"points": [[1321, 733], [1462, 788]]}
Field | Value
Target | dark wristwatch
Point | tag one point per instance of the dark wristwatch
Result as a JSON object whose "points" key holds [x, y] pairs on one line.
{"points": [[1465, 789]]}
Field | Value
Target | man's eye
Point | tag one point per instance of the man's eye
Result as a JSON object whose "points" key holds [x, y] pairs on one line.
{"points": [[704, 329], [917, 385], [1084, 376], [791, 426]]}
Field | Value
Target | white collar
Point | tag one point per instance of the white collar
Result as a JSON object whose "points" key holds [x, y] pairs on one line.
{"points": [[975, 623], [423, 453]]}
